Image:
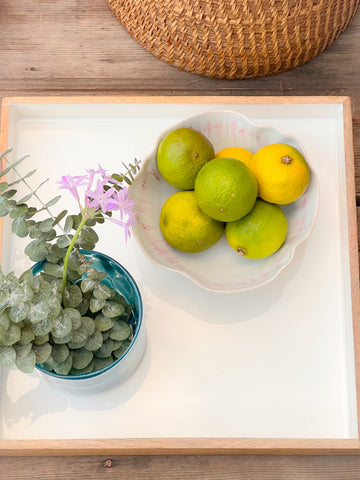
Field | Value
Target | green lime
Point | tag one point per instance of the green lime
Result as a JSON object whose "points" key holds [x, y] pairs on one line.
{"points": [[260, 233], [181, 154], [186, 227], [225, 189]]}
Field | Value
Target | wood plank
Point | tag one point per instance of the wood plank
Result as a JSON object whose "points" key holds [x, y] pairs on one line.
{"points": [[72, 48], [182, 467]]}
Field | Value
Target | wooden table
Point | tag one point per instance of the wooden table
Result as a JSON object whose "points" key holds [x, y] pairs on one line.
{"points": [[79, 48]]}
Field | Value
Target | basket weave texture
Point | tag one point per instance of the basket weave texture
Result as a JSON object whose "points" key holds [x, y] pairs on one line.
{"points": [[235, 38]]}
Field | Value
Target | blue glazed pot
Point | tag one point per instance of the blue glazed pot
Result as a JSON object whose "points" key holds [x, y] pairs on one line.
{"points": [[123, 283]]}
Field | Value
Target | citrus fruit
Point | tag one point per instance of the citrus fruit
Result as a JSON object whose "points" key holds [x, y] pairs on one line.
{"points": [[260, 233], [225, 189], [181, 154], [282, 173], [238, 153], [185, 226]]}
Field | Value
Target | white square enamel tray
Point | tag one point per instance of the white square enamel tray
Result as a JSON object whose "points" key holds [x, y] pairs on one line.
{"points": [[265, 371]]}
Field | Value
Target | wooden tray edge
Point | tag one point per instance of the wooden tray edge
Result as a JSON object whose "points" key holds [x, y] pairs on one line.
{"points": [[211, 446]]}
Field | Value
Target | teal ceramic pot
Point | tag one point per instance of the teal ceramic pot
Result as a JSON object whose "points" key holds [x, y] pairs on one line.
{"points": [[122, 282]]}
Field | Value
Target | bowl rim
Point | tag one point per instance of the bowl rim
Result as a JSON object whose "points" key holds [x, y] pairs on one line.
{"points": [[84, 376], [314, 181]]}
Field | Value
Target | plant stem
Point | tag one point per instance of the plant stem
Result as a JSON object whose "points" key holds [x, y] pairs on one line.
{"points": [[69, 250]]}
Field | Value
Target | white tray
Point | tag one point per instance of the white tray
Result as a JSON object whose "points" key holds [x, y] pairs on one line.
{"points": [[270, 370]]}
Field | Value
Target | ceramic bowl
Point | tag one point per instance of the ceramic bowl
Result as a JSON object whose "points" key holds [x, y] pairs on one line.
{"points": [[220, 268], [121, 281]]}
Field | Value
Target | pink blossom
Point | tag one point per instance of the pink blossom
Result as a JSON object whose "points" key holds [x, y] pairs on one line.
{"points": [[124, 204], [101, 198], [126, 224], [71, 183]]}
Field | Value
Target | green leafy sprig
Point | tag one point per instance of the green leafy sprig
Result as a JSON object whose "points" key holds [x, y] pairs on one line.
{"points": [[65, 318]]}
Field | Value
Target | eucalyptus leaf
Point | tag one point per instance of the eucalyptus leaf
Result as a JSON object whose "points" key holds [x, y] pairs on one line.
{"points": [[81, 358], [4, 206], [87, 285], [7, 356], [19, 211], [12, 166], [4, 319], [2, 332], [38, 311], [64, 241], [22, 350], [68, 224], [103, 362], [20, 227], [12, 335], [79, 336], [103, 323], [16, 295], [26, 364], [59, 217], [49, 235], [54, 305], [26, 198], [43, 327], [89, 235], [49, 364], [95, 274], [46, 225], [82, 371], [94, 342], [120, 331], [53, 201], [106, 349], [83, 307], [9, 193], [3, 186], [27, 335], [55, 253], [36, 250], [64, 367], [30, 213], [96, 304], [41, 339], [19, 312], [62, 340], [122, 349], [102, 292], [42, 352], [112, 309], [60, 353], [72, 296], [89, 324], [53, 269]]}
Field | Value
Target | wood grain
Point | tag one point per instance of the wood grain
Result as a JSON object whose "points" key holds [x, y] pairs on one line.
{"points": [[79, 48]]}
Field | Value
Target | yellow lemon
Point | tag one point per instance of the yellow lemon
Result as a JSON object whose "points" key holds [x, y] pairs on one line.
{"points": [[260, 233], [181, 154], [185, 226], [238, 153], [225, 189], [281, 172]]}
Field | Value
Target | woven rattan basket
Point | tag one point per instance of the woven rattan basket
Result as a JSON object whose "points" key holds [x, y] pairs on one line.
{"points": [[235, 38]]}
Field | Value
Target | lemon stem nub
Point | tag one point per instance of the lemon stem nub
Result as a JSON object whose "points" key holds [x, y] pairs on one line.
{"points": [[241, 251], [287, 160]]}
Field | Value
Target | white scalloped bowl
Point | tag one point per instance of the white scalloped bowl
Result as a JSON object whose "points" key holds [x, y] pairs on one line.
{"points": [[220, 268]]}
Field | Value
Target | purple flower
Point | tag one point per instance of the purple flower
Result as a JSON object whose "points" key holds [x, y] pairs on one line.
{"points": [[124, 204], [100, 198], [126, 224], [71, 183]]}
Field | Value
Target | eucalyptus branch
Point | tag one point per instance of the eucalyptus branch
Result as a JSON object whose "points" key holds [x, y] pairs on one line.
{"points": [[34, 192]]}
